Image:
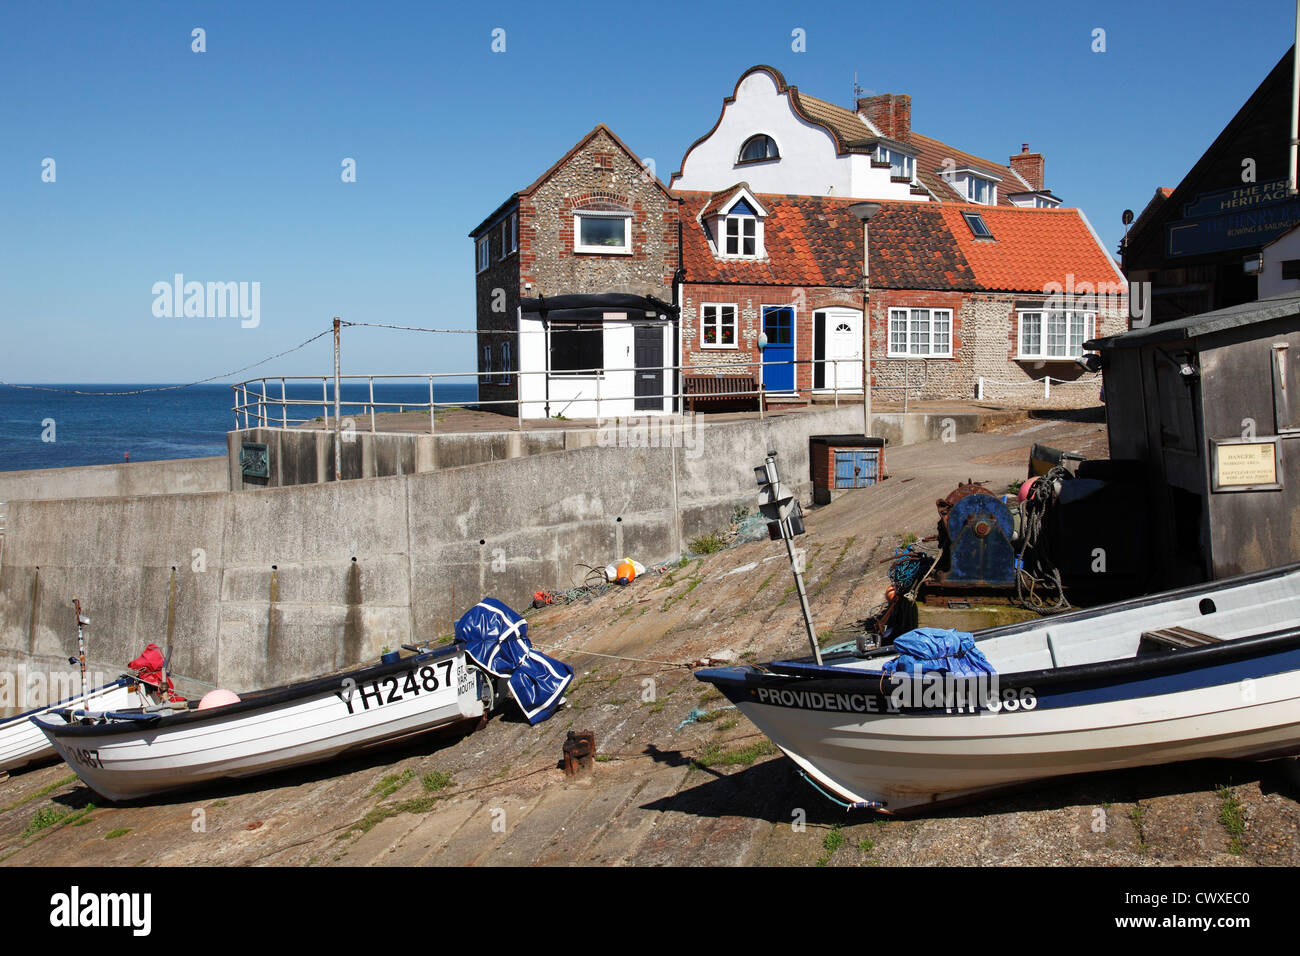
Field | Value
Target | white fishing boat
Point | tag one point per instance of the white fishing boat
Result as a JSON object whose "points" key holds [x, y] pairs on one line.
{"points": [[136, 753], [22, 743], [1205, 671]]}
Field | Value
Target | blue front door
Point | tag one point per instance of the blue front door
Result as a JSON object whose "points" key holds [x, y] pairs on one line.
{"points": [[778, 357]]}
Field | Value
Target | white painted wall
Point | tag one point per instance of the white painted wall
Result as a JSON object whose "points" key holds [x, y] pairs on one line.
{"points": [[869, 183], [808, 165], [1271, 282], [574, 396]]}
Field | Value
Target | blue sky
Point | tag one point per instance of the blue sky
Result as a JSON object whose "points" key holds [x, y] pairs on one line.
{"points": [[225, 165]]}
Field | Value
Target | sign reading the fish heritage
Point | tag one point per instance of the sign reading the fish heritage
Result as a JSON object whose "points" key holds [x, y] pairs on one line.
{"points": [[1246, 216], [1247, 465]]}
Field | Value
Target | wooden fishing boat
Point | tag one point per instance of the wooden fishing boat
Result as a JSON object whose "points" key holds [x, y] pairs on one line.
{"points": [[125, 754], [1205, 671]]}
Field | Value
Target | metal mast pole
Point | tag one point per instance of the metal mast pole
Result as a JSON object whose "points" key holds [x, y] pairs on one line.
{"points": [[338, 435]]}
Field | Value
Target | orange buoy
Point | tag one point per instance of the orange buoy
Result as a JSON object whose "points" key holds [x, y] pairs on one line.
{"points": [[890, 593], [625, 573]]}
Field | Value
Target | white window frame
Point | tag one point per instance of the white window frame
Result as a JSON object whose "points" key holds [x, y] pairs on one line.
{"points": [[885, 154], [502, 378], [717, 322], [626, 250], [971, 180], [1088, 332], [510, 235], [765, 159], [907, 352], [483, 252], [740, 220]]}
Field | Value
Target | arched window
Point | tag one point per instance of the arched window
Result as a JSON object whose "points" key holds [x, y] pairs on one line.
{"points": [[758, 148]]}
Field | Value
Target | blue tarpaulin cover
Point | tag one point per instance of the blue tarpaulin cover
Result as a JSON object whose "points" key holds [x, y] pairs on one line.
{"points": [[496, 638], [927, 649]]}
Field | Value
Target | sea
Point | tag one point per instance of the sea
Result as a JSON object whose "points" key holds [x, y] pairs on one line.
{"points": [[58, 425]]}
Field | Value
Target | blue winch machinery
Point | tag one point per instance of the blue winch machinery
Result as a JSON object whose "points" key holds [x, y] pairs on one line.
{"points": [[976, 534]]}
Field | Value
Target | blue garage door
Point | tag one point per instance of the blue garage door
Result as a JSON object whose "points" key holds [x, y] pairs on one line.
{"points": [[856, 468]]}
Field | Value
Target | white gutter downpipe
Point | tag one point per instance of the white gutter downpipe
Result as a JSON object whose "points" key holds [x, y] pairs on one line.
{"points": [[1295, 105]]}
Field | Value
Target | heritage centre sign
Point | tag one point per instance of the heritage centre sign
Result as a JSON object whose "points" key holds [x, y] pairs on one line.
{"points": [[1245, 217]]}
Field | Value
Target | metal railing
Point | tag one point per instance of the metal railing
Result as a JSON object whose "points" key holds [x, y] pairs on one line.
{"points": [[258, 405]]}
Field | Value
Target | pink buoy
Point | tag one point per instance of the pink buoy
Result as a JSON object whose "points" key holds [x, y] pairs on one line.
{"points": [[218, 698], [1024, 489]]}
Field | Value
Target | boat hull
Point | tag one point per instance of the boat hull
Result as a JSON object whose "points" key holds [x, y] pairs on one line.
{"points": [[22, 743], [854, 738], [270, 730]]}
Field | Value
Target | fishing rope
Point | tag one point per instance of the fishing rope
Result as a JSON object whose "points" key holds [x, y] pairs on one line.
{"points": [[613, 657], [861, 805], [1036, 570], [167, 388]]}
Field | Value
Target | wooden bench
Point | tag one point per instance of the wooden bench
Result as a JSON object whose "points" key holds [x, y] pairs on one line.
{"points": [[720, 387], [1177, 638]]}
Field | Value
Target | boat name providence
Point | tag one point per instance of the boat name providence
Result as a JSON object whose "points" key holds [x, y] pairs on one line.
{"points": [[425, 679], [961, 695]]}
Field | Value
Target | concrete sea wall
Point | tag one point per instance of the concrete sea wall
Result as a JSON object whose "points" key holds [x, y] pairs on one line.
{"points": [[171, 477], [258, 587]]}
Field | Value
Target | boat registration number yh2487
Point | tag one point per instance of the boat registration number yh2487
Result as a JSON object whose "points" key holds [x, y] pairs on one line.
{"points": [[395, 687]]}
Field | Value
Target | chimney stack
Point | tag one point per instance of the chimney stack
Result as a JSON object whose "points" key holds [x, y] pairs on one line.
{"points": [[1029, 166], [891, 113]]}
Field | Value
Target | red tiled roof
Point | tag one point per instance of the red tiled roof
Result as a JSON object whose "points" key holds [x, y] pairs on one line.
{"points": [[809, 240], [817, 241], [1030, 248]]}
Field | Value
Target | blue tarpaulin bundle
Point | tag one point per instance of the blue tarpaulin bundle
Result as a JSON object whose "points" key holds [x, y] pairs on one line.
{"points": [[927, 649], [496, 638]]}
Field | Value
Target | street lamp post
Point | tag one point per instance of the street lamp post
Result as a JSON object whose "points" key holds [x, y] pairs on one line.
{"points": [[865, 211]]}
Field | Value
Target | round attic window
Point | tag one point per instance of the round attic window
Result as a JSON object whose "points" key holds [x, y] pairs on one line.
{"points": [[758, 148]]}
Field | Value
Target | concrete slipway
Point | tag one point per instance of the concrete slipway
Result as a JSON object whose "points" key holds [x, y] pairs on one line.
{"points": [[708, 793]]}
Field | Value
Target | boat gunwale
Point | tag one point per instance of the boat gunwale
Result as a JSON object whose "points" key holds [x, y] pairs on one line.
{"points": [[1120, 670], [256, 700], [123, 681]]}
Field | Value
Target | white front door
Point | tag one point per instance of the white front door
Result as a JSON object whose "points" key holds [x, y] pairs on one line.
{"points": [[837, 348]]}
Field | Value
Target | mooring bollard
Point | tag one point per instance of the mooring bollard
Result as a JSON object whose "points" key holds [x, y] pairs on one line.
{"points": [[579, 752]]}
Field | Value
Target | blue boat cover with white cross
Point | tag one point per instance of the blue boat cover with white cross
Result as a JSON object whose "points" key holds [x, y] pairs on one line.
{"points": [[496, 638]]}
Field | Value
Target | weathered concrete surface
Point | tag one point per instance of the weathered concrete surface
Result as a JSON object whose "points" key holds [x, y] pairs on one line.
{"points": [[288, 582], [703, 793], [402, 443], [173, 477]]}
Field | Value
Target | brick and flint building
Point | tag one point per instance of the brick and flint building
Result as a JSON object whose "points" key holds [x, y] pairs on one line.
{"points": [[977, 271]]}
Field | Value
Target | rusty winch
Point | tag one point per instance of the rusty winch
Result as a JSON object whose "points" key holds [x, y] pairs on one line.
{"points": [[975, 531]]}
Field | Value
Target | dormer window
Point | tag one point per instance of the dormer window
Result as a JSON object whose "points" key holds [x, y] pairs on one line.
{"points": [[734, 225], [740, 232], [901, 165], [758, 149], [973, 185]]}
